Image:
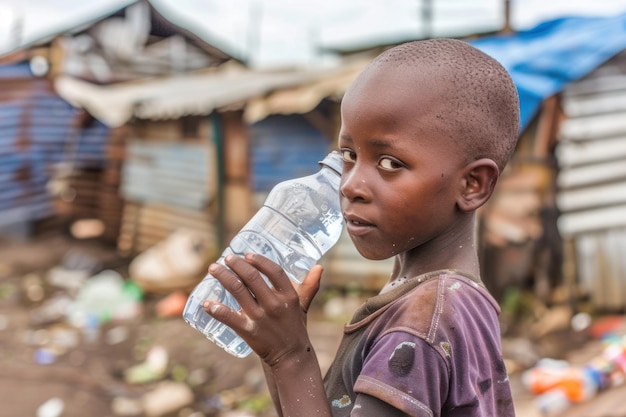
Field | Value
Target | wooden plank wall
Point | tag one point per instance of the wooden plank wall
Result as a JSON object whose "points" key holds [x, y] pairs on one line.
{"points": [[146, 224]]}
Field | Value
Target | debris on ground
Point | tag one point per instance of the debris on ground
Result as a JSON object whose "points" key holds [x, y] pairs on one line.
{"points": [[80, 335]]}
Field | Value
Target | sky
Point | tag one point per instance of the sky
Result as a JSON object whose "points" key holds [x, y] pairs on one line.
{"points": [[273, 32], [284, 32]]}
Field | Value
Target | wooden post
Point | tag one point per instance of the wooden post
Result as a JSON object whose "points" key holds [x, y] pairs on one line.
{"points": [[237, 204]]}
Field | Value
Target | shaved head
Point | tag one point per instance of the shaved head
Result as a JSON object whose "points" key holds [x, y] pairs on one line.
{"points": [[479, 101]]}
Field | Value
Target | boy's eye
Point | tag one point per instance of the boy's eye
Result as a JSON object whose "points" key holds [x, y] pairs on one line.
{"points": [[388, 163], [348, 155]]}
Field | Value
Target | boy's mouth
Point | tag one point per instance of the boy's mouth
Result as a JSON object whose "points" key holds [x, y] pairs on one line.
{"points": [[356, 225]]}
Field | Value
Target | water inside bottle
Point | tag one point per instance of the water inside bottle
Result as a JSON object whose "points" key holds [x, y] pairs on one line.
{"points": [[294, 228]]}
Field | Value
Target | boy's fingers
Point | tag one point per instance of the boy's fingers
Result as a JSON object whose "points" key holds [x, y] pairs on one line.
{"points": [[274, 272], [233, 282], [309, 287], [226, 315], [279, 280], [250, 277]]}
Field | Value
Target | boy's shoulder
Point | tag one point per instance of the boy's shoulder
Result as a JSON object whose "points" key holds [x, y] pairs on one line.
{"points": [[438, 298], [429, 288]]}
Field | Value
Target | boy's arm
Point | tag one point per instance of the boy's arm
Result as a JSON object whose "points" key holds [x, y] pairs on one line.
{"points": [[272, 320], [271, 385], [299, 387], [282, 372]]}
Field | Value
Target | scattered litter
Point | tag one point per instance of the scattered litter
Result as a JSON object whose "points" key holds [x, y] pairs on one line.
{"points": [[73, 270], [68, 279], [90, 325], [107, 296], [122, 406], [45, 356], [51, 408], [51, 311], [166, 398], [32, 285], [179, 373], [581, 321], [116, 335], [79, 260], [559, 384], [152, 369], [7, 290], [172, 305], [177, 263], [37, 337], [607, 326], [552, 402], [63, 337], [87, 228], [197, 377]]}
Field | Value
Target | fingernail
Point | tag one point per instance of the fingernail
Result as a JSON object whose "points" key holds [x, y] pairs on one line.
{"points": [[212, 307]]}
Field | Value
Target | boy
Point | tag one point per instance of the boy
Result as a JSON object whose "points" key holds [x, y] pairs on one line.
{"points": [[427, 127]]}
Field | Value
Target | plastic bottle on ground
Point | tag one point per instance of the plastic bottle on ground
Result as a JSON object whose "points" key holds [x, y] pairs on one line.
{"points": [[575, 384]]}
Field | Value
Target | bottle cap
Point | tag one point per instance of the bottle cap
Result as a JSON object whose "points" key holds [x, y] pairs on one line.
{"points": [[334, 161]]}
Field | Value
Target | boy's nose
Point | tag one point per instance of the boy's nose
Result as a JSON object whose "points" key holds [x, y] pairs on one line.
{"points": [[354, 185]]}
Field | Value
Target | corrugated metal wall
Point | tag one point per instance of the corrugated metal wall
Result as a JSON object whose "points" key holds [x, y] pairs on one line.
{"points": [[592, 181], [284, 147], [168, 183], [176, 173], [36, 133]]}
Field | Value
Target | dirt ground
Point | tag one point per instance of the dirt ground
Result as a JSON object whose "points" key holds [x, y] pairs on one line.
{"points": [[49, 368]]}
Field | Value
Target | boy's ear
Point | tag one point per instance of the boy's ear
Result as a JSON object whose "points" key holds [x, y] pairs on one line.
{"points": [[478, 182]]}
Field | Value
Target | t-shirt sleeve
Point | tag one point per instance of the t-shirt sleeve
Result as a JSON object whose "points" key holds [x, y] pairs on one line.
{"points": [[404, 371]]}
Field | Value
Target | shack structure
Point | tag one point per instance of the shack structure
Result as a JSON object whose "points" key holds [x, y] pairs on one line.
{"points": [[196, 145], [557, 223], [56, 158], [197, 142]]}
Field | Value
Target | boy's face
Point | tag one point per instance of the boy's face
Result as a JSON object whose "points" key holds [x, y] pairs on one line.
{"points": [[402, 174]]}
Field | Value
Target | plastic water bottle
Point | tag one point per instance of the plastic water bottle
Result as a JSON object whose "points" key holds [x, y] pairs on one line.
{"points": [[300, 221]]}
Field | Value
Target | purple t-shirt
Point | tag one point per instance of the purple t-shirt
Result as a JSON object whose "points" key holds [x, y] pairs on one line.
{"points": [[430, 347]]}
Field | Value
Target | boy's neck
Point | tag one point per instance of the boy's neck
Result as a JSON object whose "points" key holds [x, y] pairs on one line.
{"points": [[451, 251]]}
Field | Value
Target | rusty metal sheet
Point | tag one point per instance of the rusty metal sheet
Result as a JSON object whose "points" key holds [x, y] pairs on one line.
{"points": [[176, 173], [35, 135]]}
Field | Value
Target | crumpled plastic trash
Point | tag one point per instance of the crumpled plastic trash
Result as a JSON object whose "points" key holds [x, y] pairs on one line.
{"points": [[152, 369], [177, 263]]}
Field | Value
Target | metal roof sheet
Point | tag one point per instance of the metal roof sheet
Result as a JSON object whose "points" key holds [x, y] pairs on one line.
{"points": [[199, 93]]}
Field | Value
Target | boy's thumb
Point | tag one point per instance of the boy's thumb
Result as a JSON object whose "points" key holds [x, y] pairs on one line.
{"points": [[309, 287]]}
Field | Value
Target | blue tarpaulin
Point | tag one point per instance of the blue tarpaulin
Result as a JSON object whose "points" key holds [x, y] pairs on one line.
{"points": [[543, 60]]}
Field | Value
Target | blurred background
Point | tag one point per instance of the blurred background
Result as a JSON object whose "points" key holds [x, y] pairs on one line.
{"points": [[138, 137]]}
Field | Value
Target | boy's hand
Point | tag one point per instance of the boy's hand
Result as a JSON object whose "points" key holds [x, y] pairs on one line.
{"points": [[272, 320]]}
